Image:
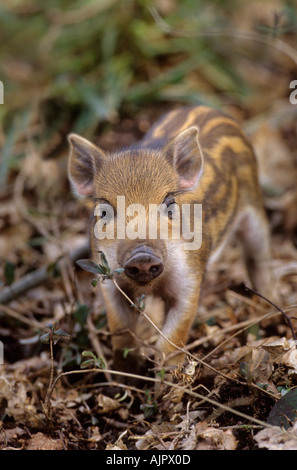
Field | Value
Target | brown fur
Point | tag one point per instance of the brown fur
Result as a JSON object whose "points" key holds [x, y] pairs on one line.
{"points": [[197, 156]]}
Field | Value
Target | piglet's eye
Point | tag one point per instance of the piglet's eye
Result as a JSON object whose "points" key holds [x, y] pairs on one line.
{"points": [[169, 200], [104, 211], [171, 206]]}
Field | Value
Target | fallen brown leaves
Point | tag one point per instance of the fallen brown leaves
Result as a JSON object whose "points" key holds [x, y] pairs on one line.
{"points": [[277, 439], [245, 357]]}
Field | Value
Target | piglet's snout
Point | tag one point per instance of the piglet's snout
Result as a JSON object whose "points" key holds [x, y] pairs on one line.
{"points": [[143, 266]]}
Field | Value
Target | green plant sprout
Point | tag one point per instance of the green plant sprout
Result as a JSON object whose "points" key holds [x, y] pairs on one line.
{"points": [[93, 361], [103, 269]]}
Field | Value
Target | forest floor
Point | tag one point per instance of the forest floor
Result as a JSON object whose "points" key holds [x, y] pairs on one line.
{"points": [[246, 358]]}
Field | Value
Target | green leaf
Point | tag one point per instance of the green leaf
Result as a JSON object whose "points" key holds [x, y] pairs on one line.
{"points": [[150, 407], [52, 326], [104, 262], [161, 373], [81, 314], [9, 272], [37, 241], [53, 269], [284, 412], [89, 266], [93, 361], [87, 363], [100, 363], [118, 271], [45, 338], [60, 332], [126, 352], [92, 267], [102, 269], [88, 354], [141, 302], [283, 390], [53, 334]]}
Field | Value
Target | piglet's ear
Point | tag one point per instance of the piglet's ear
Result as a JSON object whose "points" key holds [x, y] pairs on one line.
{"points": [[186, 155], [84, 160]]}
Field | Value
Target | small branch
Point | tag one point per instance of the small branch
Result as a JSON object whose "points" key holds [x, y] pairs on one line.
{"points": [[151, 322], [40, 276], [170, 384], [183, 350], [47, 403], [277, 308], [96, 343], [4, 309]]}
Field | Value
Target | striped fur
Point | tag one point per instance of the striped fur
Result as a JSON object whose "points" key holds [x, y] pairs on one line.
{"points": [[223, 178]]}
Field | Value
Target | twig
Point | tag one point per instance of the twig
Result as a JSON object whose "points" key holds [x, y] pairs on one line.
{"points": [[248, 324], [96, 343], [151, 321], [240, 327], [202, 361], [183, 350], [4, 309], [165, 382], [37, 277], [277, 308], [47, 403]]}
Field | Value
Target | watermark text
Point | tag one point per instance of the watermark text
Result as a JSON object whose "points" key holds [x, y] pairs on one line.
{"points": [[135, 221], [293, 94], [1, 353], [1, 93]]}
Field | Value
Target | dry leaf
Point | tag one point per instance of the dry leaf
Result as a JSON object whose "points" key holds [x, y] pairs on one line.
{"points": [[278, 347], [95, 434], [118, 445], [214, 439], [107, 404], [40, 441], [10, 434], [277, 439], [283, 351], [188, 429], [289, 359], [13, 394], [150, 439], [214, 333]]}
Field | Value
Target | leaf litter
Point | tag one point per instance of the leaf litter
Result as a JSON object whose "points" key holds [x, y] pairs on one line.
{"points": [[246, 358], [239, 394]]}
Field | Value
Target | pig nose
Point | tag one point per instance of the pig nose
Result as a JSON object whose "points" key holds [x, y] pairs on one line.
{"points": [[143, 267]]}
